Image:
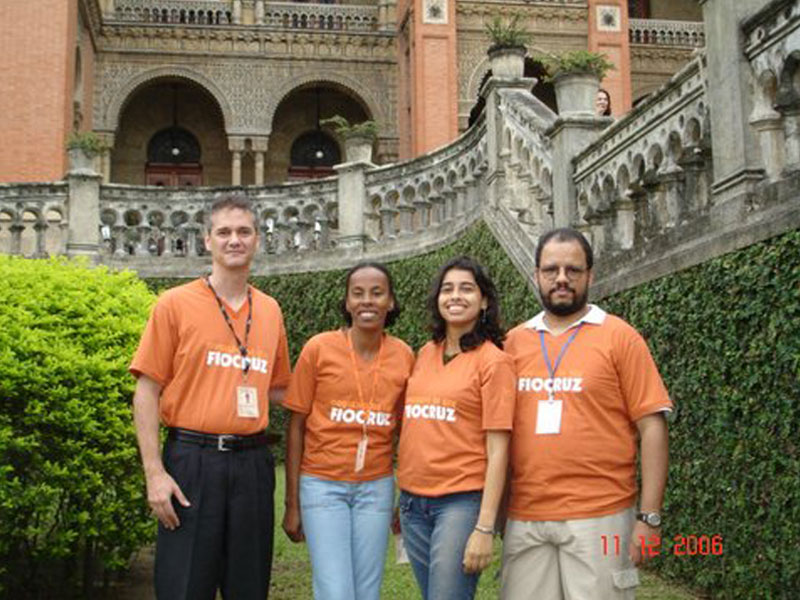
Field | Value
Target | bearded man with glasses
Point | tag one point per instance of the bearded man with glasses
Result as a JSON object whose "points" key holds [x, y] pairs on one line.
{"points": [[588, 391]]}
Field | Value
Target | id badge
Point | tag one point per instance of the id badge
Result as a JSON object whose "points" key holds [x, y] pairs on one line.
{"points": [[548, 417], [247, 401], [361, 453]]}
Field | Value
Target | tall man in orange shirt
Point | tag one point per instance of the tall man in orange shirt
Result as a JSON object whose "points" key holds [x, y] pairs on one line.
{"points": [[213, 354], [588, 391]]}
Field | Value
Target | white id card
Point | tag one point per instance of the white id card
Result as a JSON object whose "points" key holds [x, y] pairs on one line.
{"points": [[247, 401], [361, 453], [548, 416]]}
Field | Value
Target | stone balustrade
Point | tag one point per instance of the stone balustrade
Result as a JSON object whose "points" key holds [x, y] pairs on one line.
{"points": [[527, 158], [660, 32], [141, 221], [772, 39], [335, 17], [198, 12], [648, 172], [33, 219], [281, 15], [441, 190]]}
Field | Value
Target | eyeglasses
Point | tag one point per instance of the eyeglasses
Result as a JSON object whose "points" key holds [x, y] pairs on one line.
{"points": [[550, 273]]}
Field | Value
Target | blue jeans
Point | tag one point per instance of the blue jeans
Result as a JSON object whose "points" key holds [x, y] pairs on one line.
{"points": [[347, 529], [435, 534]]}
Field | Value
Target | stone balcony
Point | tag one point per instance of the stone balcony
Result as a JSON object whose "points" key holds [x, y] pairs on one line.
{"points": [[658, 32], [271, 15]]}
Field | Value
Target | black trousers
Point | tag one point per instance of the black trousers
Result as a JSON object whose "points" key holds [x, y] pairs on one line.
{"points": [[225, 537]]}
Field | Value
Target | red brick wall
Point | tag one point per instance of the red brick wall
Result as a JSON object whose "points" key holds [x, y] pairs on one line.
{"points": [[37, 43]]}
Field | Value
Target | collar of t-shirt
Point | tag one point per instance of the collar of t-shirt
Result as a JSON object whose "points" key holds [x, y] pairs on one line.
{"points": [[595, 316]]}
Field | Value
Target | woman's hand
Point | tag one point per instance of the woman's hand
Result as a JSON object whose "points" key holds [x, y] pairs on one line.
{"points": [[292, 524], [478, 553]]}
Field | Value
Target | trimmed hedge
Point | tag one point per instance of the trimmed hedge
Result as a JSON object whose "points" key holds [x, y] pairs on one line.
{"points": [[726, 337], [71, 492]]}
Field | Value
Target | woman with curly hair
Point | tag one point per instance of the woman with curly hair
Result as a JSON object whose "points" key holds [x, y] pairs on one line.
{"points": [[457, 422]]}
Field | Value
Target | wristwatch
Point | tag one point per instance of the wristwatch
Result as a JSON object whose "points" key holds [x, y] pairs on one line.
{"points": [[653, 519]]}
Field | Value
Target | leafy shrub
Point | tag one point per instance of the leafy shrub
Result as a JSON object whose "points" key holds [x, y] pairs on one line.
{"points": [[345, 129], [87, 141], [576, 61], [71, 493], [507, 34], [726, 337]]}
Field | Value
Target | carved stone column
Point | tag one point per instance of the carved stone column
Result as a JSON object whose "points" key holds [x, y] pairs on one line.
{"points": [[792, 133], [237, 12], [41, 249], [626, 220], [120, 232], [406, 211], [236, 146], [769, 126], [16, 238], [260, 145], [259, 12]]}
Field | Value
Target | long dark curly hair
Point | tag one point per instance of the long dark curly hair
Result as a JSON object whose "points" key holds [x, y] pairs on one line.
{"points": [[487, 327]]}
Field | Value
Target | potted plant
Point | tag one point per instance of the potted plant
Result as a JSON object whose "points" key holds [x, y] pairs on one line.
{"points": [[507, 51], [358, 138], [576, 76], [82, 148]]}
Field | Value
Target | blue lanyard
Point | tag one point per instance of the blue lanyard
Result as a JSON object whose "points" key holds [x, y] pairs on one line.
{"points": [[551, 370]]}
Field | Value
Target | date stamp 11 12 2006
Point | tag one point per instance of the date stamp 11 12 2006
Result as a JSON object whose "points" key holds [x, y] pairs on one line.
{"points": [[678, 545]]}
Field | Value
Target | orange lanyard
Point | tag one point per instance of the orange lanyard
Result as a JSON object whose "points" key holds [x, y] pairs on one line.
{"points": [[375, 371]]}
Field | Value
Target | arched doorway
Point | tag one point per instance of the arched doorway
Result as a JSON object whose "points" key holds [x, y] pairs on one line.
{"points": [[173, 159], [171, 132], [300, 147]]}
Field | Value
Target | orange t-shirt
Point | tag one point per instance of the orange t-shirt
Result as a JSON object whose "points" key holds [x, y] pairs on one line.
{"points": [[324, 388], [607, 380], [447, 411], [189, 350]]}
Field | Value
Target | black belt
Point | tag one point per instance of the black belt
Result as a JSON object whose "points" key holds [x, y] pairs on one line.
{"points": [[223, 442]]}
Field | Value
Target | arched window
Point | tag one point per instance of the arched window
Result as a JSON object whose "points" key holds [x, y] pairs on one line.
{"points": [[173, 159], [313, 154], [174, 145]]}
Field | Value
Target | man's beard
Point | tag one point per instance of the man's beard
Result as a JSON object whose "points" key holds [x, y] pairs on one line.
{"points": [[564, 310]]}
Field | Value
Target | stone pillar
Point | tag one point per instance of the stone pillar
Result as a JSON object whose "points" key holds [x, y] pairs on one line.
{"points": [[83, 206], [387, 16], [236, 168], [41, 231], [237, 12], [570, 134], [626, 221], [259, 12], [792, 133], [352, 198], [16, 238], [769, 127], [260, 145], [737, 165]]}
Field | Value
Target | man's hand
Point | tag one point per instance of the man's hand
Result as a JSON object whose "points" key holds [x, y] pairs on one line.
{"points": [[160, 489], [293, 525], [651, 536], [478, 553]]}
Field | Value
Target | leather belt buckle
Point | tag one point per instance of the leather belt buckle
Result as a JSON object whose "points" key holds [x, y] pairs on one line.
{"points": [[221, 442]]}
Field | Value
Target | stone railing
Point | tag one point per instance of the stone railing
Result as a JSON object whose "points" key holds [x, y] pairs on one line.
{"points": [[33, 219], [527, 157], [282, 15], [140, 221], [667, 33], [772, 37], [442, 190], [648, 172], [336, 17], [198, 12]]}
